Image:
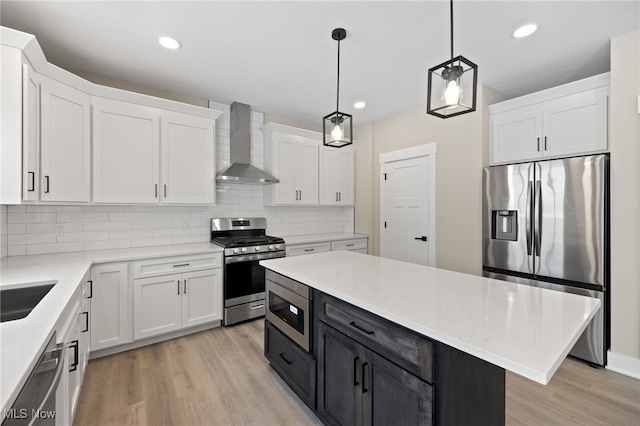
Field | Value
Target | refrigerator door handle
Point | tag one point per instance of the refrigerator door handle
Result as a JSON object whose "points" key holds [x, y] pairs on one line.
{"points": [[528, 219], [538, 219]]}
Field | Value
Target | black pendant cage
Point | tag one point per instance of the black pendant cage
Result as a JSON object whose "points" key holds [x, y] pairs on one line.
{"points": [[465, 73], [344, 123]]}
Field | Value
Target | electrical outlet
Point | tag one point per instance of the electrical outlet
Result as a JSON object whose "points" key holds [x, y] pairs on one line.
{"points": [[59, 230], [185, 225]]}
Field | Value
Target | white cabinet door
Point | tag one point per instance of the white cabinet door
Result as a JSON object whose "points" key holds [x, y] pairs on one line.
{"points": [[30, 134], [516, 135], [65, 142], [157, 305], [307, 173], [109, 306], [126, 152], [201, 297], [285, 159], [336, 176], [188, 162], [576, 124]]}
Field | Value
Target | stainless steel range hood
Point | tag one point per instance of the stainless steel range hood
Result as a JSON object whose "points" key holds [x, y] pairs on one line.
{"points": [[241, 170]]}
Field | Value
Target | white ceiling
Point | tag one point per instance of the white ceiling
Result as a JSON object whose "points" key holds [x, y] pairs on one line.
{"points": [[279, 57]]}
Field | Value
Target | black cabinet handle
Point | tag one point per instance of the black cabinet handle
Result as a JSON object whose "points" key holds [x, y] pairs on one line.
{"points": [[90, 296], [285, 359], [180, 264], [33, 181], [545, 143], [365, 367], [423, 238], [74, 365], [156, 191], [538, 149], [178, 286], [46, 178], [185, 286], [86, 324], [309, 249], [356, 326], [165, 190], [356, 369]]}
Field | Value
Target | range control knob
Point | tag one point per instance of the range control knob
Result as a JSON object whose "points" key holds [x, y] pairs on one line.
{"points": [[270, 247], [257, 248], [277, 246], [243, 250], [236, 251]]}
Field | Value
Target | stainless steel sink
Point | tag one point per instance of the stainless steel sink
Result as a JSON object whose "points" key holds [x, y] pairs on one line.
{"points": [[18, 302]]}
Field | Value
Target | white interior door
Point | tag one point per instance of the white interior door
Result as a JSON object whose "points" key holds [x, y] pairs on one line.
{"points": [[408, 209]]}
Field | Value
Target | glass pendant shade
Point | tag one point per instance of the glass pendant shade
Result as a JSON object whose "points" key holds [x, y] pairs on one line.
{"points": [[336, 128], [451, 88]]}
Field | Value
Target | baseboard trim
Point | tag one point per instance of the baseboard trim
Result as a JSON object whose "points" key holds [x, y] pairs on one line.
{"points": [[623, 364]]}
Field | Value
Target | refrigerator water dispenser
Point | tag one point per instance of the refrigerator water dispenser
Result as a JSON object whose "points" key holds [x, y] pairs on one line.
{"points": [[504, 225]]}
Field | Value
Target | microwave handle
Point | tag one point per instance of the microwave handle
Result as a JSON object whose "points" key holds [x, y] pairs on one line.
{"points": [[62, 353]]}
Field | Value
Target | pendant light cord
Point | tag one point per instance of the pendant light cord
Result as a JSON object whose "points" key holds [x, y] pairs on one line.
{"points": [[451, 16], [338, 89]]}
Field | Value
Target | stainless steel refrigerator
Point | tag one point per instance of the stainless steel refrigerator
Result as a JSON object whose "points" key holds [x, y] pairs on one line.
{"points": [[546, 224]]}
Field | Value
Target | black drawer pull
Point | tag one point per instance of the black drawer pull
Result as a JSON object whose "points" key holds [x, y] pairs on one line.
{"points": [[364, 330], [181, 264], [86, 324], [309, 249], [74, 364], [356, 361], [285, 359]]}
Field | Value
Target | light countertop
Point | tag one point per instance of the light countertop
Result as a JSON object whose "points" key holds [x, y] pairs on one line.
{"points": [[321, 238], [22, 341], [523, 329]]}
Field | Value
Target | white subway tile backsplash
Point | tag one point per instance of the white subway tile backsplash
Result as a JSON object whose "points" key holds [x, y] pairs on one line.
{"points": [[53, 248], [31, 229], [106, 244]]}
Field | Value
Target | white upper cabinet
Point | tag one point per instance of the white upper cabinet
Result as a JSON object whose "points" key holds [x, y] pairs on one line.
{"points": [[65, 143], [146, 150], [126, 152], [188, 162], [336, 176], [291, 155], [147, 155], [30, 134], [559, 122]]}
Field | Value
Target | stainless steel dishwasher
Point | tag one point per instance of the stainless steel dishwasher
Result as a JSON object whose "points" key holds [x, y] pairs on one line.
{"points": [[36, 402]]}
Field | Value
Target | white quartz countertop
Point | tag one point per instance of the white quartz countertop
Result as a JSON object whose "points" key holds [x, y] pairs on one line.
{"points": [[321, 238], [523, 329], [22, 341]]}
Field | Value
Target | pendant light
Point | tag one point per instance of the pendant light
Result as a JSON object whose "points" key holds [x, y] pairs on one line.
{"points": [[337, 126], [456, 83]]}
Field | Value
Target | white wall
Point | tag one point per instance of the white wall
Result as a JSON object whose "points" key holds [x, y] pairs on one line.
{"points": [[30, 229], [625, 201], [462, 143]]}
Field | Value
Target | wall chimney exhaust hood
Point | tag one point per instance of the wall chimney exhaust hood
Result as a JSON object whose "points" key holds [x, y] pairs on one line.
{"points": [[241, 170]]}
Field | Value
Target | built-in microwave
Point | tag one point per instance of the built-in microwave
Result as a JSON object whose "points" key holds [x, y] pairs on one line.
{"points": [[289, 305]]}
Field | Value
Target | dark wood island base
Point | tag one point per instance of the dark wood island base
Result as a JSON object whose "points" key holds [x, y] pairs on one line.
{"points": [[365, 370]]}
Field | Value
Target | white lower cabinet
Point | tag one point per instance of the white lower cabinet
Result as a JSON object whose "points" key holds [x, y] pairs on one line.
{"points": [[110, 325], [191, 296], [356, 244]]}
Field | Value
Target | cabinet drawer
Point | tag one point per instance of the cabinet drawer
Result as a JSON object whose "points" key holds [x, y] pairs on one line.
{"points": [[352, 245], [406, 348], [176, 264], [296, 367], [299, 249]]}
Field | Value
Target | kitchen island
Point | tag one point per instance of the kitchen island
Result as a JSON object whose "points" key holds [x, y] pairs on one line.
{"points": [[471, 330]]}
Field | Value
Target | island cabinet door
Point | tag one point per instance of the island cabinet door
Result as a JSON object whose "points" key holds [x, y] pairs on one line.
{"points": [[340, 361], [392, 395]]}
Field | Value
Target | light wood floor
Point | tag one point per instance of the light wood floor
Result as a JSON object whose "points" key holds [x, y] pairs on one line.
{"points": [[220, 377]]}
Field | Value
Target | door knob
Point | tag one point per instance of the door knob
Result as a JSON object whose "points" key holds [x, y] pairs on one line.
{"points": [[423, 238]]}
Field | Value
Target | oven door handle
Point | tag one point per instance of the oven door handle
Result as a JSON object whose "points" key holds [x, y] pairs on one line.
{"points": [[253, 256]]}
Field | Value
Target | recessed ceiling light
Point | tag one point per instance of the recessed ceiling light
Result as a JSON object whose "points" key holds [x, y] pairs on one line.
{"points": [[525, 30], [359, 105], [169, 42]]}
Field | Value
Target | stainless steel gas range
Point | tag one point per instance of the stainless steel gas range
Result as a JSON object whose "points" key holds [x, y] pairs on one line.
{"points": [[245, 244]]}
